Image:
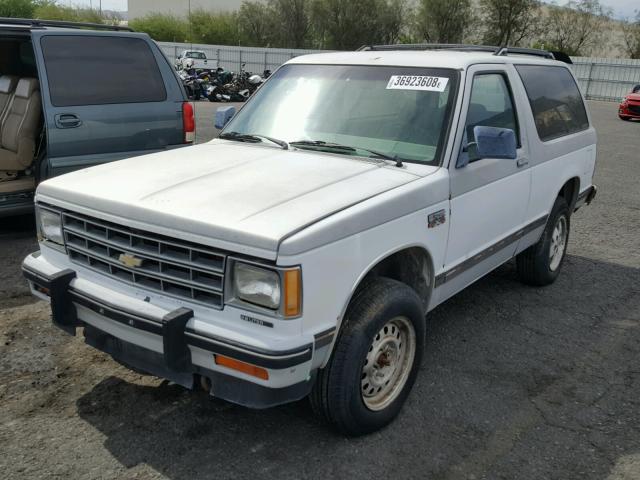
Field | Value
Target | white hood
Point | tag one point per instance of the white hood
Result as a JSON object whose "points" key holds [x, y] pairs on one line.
{"points": [[234, 193]]}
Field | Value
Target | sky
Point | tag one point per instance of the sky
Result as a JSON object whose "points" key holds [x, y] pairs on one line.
{"points": [[621, 8]]}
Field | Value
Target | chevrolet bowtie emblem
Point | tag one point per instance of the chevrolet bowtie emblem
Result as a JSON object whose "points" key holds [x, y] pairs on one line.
{"points": [[129, 260]]}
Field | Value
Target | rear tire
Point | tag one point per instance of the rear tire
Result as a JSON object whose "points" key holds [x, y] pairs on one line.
{"points": [[375, 360], [540, 264]]}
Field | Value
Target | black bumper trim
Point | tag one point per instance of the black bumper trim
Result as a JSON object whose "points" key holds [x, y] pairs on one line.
{"points": [[172, 328], [63, 313], [324, 338], [117, 315], [278, 362], [177, 355]]}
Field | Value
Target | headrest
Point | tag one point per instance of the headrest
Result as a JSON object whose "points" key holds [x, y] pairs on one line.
{"points": [[8, 83], [26, 87]]}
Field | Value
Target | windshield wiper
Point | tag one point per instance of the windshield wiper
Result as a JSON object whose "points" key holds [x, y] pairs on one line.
{"points": [[338, 146], [321, 143], [252, 138]]}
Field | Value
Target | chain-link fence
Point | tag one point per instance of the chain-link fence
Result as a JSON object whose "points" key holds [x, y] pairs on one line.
{"points": [[255, 59], [600, 78], [606, 79]]}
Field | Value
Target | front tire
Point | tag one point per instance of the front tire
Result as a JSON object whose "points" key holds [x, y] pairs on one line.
{"points": [[375, 360], [540, 264]]}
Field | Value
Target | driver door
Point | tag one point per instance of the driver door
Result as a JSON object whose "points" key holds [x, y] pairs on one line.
{"points": [[489, 196]]}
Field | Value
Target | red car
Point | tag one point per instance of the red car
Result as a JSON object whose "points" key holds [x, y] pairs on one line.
{"points": [[630, 106]]}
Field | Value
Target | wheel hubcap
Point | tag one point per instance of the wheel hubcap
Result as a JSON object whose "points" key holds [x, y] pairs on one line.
{"points": [[388, 363], [558, 243]]}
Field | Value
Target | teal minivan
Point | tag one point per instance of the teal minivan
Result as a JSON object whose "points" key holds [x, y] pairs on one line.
{"points": [[74, 95]]}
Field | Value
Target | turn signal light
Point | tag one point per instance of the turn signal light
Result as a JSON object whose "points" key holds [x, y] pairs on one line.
{"points": [[292, 293], [241, 367]]}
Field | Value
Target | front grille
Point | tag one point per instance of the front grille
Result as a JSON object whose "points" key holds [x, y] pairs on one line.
{"points": [[634, 109], [168, 265]]}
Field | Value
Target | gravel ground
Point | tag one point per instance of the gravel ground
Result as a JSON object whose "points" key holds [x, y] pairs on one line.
{"points": [[517, 383]]}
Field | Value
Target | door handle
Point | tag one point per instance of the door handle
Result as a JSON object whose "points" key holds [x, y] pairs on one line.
{"points": [[67, 120], [522, 162]]}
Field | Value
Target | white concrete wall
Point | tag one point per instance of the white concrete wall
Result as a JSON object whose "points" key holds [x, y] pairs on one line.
{"points": [[141, 8]]}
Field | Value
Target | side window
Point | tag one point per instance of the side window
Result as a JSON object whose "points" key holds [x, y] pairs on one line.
{"points": [[101, 70], [555, 100], [491, 105]]}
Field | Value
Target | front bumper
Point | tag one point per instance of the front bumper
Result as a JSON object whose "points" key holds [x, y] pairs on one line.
{"points": [[183, 349], [628, 112]]}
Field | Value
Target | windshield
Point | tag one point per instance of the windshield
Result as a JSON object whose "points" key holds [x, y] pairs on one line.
{"points": [[197, 55], [400, 112]]}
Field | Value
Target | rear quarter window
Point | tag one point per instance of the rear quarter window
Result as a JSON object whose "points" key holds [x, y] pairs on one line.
{"points": [[100, 70], [555, 100]]}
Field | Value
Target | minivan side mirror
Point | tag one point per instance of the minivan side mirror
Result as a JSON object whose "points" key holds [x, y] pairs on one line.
{"points": [[491, 142], [223, 115]]}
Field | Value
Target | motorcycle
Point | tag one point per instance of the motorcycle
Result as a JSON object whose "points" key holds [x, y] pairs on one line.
{"points": [[228, 87], [197, 83]]}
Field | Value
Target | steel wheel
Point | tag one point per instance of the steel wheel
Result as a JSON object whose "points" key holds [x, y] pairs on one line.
{"points": [[558, 243], [388, 363]]}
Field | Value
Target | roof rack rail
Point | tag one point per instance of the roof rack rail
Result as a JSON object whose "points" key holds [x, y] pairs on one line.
{"points": [[498, 51], [524, 51], [35, 22]]}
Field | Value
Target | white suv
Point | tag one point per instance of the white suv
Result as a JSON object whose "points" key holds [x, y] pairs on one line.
{"points": [[300, 252], [192, 59]]}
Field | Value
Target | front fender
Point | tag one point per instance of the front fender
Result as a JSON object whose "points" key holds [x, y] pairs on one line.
{"points": [[332, 272]]}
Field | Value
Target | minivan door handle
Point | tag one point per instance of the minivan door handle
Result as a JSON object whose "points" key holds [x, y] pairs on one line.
{"points": [[522, 161], [67, 120]]}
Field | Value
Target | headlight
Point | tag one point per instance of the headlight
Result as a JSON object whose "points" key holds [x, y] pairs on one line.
{"points": [[278, 289], [257, 285], [50, 225]]}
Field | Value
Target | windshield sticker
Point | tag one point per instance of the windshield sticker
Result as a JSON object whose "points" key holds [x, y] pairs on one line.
{"points": [[417, 82]]}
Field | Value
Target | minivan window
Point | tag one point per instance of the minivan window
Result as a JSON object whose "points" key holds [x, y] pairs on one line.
{"points": [[490, 106], [99, 70], [555, 100]]}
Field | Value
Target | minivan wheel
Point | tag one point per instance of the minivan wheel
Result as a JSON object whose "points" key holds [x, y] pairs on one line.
{"points": [[375, 360], [540, 264]]}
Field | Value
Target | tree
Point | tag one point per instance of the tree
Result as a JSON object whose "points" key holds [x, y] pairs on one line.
{"points": [[215, 28], [350, 24], [17, 8], [163, 28], [509, 22], [631, 32], [290, 21], [576, 27], [51, 11], [393, 16], [255, 24], [443, 21]]}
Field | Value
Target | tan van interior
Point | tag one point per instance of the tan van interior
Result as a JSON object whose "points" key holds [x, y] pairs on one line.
{"points": [[21, 130]]}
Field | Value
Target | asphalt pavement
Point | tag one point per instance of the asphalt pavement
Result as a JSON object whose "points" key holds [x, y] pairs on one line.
{"points": [[517, 382]]}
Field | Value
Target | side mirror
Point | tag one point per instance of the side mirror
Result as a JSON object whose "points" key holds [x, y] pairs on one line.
{"points": [[223, 115], [491, 142], [494, 142]]}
